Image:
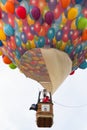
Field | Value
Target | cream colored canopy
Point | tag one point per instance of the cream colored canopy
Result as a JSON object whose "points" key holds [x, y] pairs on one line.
{"points": [[50, 67], [58, 65]]}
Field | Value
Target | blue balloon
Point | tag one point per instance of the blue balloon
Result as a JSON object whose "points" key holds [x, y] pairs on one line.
{"points": [[69, 49], [78, 48], [3, 1], [84, 45], [78, 1], [66, 48], [55, 26], [1, 44], [41, 42], [32, 30], [70, 34], [58, 21], [8, 30], [19, 0], [18, 34], [83, 65], [17, 53], [23, 37], [18, 41], [59, 34], [51, 33]]}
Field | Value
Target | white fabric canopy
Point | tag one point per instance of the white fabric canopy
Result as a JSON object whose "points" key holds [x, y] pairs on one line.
{"points": [[59, 67]]}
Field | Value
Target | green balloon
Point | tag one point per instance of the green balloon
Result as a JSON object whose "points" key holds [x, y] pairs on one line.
{"points": [[12, 66], [28, 46], [82, 23]]}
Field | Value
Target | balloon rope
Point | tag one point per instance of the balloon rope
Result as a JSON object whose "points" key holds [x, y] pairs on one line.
{"points": [[70, 106]]}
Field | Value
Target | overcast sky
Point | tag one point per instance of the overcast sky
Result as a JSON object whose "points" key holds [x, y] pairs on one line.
{"points": [[17, 93]]}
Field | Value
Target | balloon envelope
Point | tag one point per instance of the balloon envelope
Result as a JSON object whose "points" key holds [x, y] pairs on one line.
{"points": [[27, 26]]}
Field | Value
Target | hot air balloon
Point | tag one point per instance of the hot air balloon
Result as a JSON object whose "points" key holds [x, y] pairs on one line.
{"points": [[45, 39]]}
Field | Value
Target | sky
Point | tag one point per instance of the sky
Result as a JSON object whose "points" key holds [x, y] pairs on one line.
{"points": [[17, 93]]}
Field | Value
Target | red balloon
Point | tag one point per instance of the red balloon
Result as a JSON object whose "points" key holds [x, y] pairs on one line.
{"points": [[57, 12], [34, 2], [84, 11], [30, 36], [65, 37], [84, 35], [65, 3], [72, 72], [21, 12], [37, 27], [6, 60]]}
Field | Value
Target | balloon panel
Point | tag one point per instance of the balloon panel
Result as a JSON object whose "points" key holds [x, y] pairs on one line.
{"points": [[59, 24]]}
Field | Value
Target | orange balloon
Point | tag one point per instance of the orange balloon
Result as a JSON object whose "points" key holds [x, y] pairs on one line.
{"points": [[6, 60], [84, 35], [65, 3], [10, 7], [42, 31], [41, 4]]}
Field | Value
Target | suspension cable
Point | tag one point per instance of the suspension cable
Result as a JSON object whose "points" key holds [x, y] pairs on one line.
{"points": [[70, 106]]}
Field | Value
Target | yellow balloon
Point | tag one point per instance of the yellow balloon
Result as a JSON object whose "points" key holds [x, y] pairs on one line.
{"points": [[19, 22], [72, 13], [2, 35], [32, 44], [62, 47], [2, 7], [20, 29], [28, 46], [29, 20], [54, 41], [0, 53], [23, 45], [64, 19], [73, 25]]}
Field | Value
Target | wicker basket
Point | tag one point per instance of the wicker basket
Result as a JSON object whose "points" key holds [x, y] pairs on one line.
{"points": [[44, 115]]}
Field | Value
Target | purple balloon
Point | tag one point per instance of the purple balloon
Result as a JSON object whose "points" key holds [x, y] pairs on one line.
{"points": [[52, 4], [49, 17], [4, 17], [35, 13]]}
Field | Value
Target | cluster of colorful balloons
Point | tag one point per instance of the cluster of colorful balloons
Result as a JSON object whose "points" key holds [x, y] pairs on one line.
{"points": [[28, 24]]}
